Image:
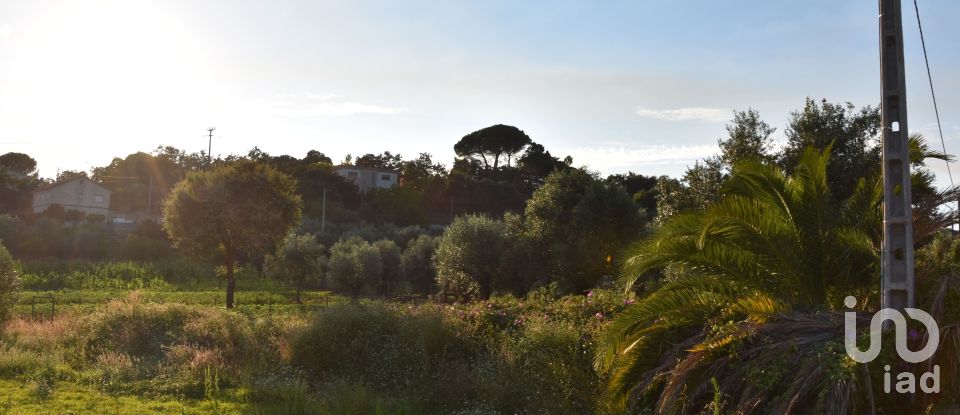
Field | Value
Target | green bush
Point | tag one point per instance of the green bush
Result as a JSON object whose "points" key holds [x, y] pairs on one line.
{"points": [[9, 283], [416, 263], [355, 266], [501, 356], [137, 346], [414, 355]]}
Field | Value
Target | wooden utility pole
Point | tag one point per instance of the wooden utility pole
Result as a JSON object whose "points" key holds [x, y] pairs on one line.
{"points": [[897, 260], [210, 145]]}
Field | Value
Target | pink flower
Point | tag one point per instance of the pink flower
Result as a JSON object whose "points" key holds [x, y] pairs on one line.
{"points": [[590, 293], [629, 301], [599, 315]]}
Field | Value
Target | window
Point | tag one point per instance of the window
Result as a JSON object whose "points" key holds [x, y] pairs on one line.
{"points": [[385, 177], [98, 198]]}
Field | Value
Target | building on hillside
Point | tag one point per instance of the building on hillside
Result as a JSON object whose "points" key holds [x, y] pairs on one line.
{"points": [[367, 178], [78, 193]]}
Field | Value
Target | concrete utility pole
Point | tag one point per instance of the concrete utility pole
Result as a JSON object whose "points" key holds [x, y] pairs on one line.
{"points": [[897, 261]]}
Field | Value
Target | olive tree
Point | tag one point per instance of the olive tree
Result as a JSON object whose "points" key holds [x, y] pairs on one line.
{"points": [[471, 255], [299, 260], [238, 211], [416, 262], [390, 260], [355, 266], [9, 283]]}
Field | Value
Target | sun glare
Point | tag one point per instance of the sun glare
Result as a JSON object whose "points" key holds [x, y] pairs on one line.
{"points": [[101, 68]]}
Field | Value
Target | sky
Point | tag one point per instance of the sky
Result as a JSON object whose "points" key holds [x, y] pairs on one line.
{"points": [[643, 86]]}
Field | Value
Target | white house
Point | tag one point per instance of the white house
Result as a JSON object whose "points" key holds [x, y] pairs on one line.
{"points": [[78, 193], [367, 178]]}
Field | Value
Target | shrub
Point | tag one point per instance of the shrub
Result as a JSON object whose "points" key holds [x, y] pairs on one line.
{"points": [[15, 361], [166, 347], [9, 283], [412, 355]]}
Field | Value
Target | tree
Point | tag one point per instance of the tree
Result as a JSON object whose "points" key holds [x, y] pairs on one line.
{"points": [[493, 142], [763, 274], [774, 243], [579, 223], [70, 174], [748, 138], [355, 266], [469, 258], [237, 211], [315, 157], [416, 263], [298, 260], [9, 283], [19, 163], [537, 163], [421, 171], [18, 179], [386, 160], [396, 205], [852, 136], [391, 273], [642, 188], [138, 179]]}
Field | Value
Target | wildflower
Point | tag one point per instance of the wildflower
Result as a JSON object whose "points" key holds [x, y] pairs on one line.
{"points": [[599, 315], [589, 293], [629, 301]]}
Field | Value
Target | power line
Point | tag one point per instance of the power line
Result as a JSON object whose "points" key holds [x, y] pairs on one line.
{"points": [[933, 94]]}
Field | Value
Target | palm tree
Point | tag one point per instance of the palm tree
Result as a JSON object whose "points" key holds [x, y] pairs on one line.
{"points": [[756, 277], [774, 243]]}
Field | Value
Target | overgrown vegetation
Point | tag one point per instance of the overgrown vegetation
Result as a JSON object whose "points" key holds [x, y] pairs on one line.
{"points": [[527, 297]]}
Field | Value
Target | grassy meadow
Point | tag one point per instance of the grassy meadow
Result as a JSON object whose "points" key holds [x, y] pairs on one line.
{"points": [[124, 338]]}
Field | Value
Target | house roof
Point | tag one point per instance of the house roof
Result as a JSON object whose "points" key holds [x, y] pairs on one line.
{"points": [[352, 167], [52, 185]]}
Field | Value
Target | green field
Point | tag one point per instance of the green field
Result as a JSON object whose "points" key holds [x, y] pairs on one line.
{"points": [[172, 351]]}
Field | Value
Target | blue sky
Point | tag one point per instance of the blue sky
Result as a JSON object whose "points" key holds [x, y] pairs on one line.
{"points": [[619, 85]]}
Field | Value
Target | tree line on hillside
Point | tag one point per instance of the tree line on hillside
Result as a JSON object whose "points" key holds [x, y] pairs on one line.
{"points": [[496, 171]]}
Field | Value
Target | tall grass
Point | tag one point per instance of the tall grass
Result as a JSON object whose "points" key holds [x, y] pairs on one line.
{"points": [[501, 356]]}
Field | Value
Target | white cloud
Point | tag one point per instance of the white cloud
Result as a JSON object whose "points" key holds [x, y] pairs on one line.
{"points": [[325, 105], [6, 30], [687, 114], [617, 158]]}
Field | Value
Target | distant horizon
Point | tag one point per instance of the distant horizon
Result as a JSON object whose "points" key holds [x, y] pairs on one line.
{"points": [[623, 87]]}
